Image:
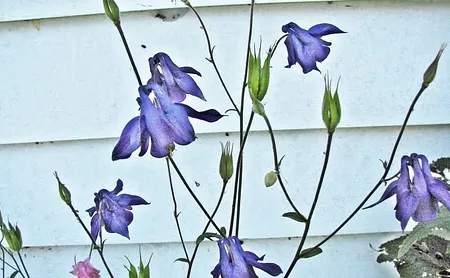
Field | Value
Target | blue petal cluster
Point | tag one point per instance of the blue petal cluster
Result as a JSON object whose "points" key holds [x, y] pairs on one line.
{"points": [[417, 198], [113, 211], [237, 263], [163, 120], [308, 47]]}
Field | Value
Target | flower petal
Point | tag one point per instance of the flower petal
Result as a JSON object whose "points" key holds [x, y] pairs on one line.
{"points": [[270, 268], [291, 51], [425, 210], [95, 226], [216, 271], [179, 83], [440, 191], [190, 70], [117, 219], [91, 211], [129, 140], [390, 190], [324, 29], [209, 115], [118, 188], [125, 200]]}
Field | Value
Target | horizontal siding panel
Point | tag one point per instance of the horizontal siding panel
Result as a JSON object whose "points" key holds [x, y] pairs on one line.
{"points": [[29, 9], [344, 256], [30, 196], [69, 78]]}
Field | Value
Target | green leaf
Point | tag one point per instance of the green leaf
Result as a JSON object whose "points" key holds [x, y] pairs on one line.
{"points": [[390, 250], [206, 235], [295, 216], [307, 253], [422, 230], [14, 274], [184, 260]]}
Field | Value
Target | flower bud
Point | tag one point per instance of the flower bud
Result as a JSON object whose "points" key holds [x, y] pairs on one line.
{"points": [[64, 192], [226, 162], [331, 107], [13, 236], [270, 178], [258, 78], [430, 73], [112, 11]]}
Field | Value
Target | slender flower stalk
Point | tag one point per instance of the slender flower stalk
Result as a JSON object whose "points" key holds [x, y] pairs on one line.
{"points": [[211, 56], [194, 253], [191, 192], [175, 213], [313, 206]]}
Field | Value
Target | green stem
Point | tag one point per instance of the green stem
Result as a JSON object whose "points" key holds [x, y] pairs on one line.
{"points": [[313, 206], [191, 262], [189, 189], [130, 56], [238, 176], [23, 264], [175, 212], [211, 57]]}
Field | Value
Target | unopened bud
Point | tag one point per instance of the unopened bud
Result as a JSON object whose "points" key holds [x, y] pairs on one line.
{"points": [[64, 192], [270, 178], [331, 107], [13, 236], [258, 78], [430, 73], [226, 162], [112, 11]]}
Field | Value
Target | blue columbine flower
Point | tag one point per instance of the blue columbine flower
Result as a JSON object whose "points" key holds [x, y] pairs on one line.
{"points": [[237, 263], [164, 122], [175, 80], [417, 198], [113, 211], [307, 47]]}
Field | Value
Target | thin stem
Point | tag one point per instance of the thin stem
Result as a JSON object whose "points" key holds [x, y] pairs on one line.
{"points": [[313, 206], [194, 253], [23, 264], [239, 169], [189, 189], [3, 259], [130, 56], [238, 189], [4, 262], [11, 254], [98, 248], [211, 57], [382, 179], [272, 50], [277, 165], [175, 212]]}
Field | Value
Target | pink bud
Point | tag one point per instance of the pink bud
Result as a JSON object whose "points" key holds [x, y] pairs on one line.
{"points": [[84, 269]]}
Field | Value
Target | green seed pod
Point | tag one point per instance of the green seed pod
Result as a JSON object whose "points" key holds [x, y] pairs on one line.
{"points": [[112, 11], [430, 73], [226, 162], [270, 178]]}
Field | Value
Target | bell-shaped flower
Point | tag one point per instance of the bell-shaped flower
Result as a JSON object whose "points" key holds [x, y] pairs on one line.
{"points": [[164, 122], [417, 198], [113, 211], [308, 47], [85, 269], [175, 80], [237, 263]]}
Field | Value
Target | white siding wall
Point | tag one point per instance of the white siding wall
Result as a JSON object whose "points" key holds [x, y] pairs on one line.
{"points": [[67, 90]]}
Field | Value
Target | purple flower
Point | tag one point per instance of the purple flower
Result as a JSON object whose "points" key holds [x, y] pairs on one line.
{"points": [[175, 80], [113, 211], [307, 47], [237, 263], [420, 197], [163, 121]]}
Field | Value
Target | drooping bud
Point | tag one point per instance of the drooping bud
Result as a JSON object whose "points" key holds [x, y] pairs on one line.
{"points": [[112, 11], [270, 178], [64, 192], [430, 73], [13, 236], [226, 162], [258, 78], [331, 106]]}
